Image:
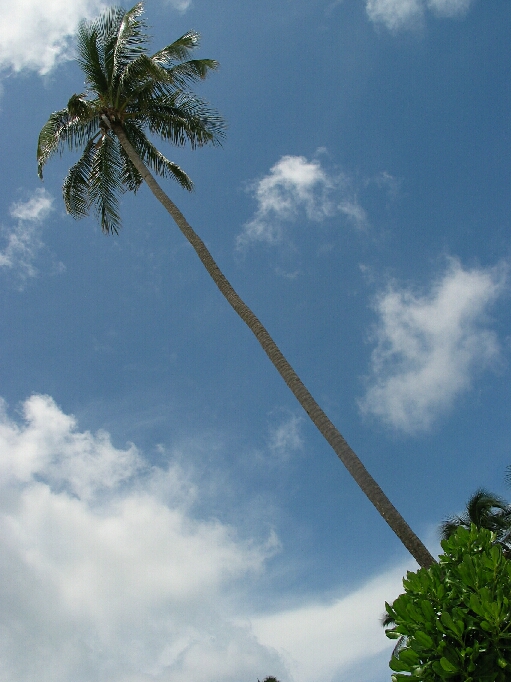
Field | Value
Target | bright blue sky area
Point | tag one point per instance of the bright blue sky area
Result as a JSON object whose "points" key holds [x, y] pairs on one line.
{"points": [[191, 523]]}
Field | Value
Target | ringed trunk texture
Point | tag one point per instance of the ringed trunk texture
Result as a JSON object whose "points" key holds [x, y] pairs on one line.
{"points": [[347, 456]]}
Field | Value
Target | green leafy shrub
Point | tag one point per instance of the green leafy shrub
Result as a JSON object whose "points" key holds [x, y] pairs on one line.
{"points": [[454, 619]]}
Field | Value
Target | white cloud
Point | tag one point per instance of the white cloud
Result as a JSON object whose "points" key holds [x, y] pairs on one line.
{"points": [[354, 212], [297, 187], [398, 14], [395, 14], [102, 565], [180, 5], [285, 437], [23, 242], [107, 574], [450, 8], [38, 34], [36, 208], [429, 346], [321, 641]]}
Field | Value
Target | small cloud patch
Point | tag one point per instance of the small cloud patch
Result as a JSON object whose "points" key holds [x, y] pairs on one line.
{"points": [[23, 241], [430, 345], [409, 14], [295, 189]]}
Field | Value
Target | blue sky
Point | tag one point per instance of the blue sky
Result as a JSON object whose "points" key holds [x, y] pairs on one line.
{"points": [[168, 513]]}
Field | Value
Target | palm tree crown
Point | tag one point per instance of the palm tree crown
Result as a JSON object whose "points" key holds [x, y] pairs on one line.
{"points": [[143, 94], [485, 510]]}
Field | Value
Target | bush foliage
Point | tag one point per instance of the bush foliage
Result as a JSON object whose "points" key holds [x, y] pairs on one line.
{"points": [[454, 619]]}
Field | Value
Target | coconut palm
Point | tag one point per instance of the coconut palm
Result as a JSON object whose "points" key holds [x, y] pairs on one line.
{"points": [[485, 510], [129, 94]]}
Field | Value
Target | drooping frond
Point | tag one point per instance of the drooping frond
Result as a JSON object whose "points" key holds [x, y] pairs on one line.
{"points": [[131, 178], [182, 118], [105, 183], [96, 181], [75, 189], [181, 75], [154, 159], [51, 137], [485, 510], [71, 127]]}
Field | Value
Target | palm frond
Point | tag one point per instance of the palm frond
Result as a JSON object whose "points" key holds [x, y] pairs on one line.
{"points": [[107, 29], [81, 109], [90, 58], [64, 128], [131, 178], [191, 71], [178, 50], [139, 78], [154, 159], [144, 79], [451, 525], [105, 183], [485, 510], [75, 189], [51, 137], [182, 118], [129, 44]]}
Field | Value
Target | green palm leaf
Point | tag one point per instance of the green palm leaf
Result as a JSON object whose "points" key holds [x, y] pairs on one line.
{"points": [[105, 183], [177, 51], [75, 189], [129, 44], [90, 59], [154, 159], [65, 128]]}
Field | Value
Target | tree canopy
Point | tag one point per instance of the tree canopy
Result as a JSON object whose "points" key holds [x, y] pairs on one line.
{"points": [[454, 619]]}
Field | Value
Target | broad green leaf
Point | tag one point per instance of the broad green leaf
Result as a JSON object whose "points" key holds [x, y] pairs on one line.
{"points": [[409, 656], [448, 666], [398, 665], [423, 639]]}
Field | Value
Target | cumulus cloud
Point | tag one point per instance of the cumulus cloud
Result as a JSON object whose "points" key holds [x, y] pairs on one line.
{"points": [[321, 641], [23, 242], [294, 188], [36, 208], [37, 34], [398, 14], [430, 345], [106, 573], [102, 570]]}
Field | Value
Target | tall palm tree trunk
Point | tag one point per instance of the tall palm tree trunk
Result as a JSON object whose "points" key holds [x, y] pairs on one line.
{"points": [[320, 419]]}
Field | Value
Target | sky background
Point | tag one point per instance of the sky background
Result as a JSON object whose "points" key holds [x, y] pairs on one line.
{"points": [[167, 512]]}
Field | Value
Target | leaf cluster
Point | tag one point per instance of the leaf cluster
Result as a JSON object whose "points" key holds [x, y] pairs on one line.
{"points": [[486, 510], [454, 619]]}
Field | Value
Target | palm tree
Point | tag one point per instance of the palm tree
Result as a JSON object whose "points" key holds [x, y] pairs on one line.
{"points": [[485, 510], [129, 93]]}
